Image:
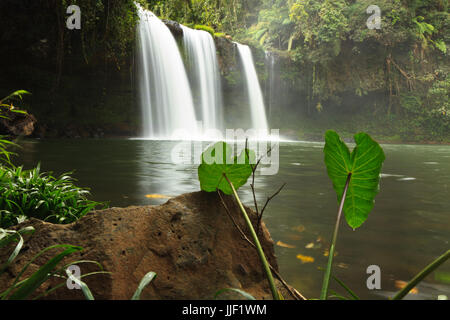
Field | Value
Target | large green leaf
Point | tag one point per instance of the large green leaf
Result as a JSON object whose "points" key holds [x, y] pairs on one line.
{"points": [[364, 163], [218, 160]]}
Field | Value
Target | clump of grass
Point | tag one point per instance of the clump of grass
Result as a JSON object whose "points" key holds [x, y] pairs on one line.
{"points": [[220, 34], [204, 28], [30, 193]]}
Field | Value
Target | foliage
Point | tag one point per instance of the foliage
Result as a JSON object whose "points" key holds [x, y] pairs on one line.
{"points": [[356, 199], [108, 26], [345, 67], [220, 171], [218, 160], [204, 28], [230, 16], [422, 274], [6, 104], [364, 164], [15, 96], [5, 155], [246, 295], [407, 288], [145, 281], [24, 288], [30, 193]]}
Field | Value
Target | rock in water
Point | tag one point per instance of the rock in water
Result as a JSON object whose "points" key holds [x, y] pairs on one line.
{"points": [[17, 124], [190, 242]]}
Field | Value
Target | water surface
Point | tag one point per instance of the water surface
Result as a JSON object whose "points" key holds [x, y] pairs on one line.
{"points": [[408, 228]]}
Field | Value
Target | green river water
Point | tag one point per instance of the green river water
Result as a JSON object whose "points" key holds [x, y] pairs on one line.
{"points": [[408, 228]]}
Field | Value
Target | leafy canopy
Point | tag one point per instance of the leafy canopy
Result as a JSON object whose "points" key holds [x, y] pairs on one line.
{"points": [[218, 160], [364, 163]]}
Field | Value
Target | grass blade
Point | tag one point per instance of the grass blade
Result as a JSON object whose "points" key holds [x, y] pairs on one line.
{"points": [[87, 293], [343, 285], [144, 282], [248, 296], [421, 275], [40, 276]]}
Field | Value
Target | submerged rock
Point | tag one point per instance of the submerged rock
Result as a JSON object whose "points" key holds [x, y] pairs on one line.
{"points": [[190, 242]]}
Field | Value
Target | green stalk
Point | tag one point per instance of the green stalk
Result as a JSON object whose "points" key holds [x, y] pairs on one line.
{"points": [[259, 249], [327, 276], [421, 275]]}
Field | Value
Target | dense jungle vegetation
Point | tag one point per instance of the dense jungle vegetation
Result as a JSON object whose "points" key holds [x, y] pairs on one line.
{"points": [[332, 70]]}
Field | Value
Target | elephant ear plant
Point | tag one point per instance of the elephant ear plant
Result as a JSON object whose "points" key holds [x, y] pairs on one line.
{"points": [[219, 170], [355, 178]]}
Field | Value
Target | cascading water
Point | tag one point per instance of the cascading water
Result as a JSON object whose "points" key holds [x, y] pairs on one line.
{"points": [[164, 91], [270, 83], [202, 60], [257, 109]]}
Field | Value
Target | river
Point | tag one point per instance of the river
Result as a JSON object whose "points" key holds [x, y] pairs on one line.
{"points": [[408, 228]]}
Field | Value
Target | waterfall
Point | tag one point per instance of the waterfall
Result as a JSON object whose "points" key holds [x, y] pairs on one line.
{"points": [[270, 83], [164, 92], [257, 108], [202, 60]]}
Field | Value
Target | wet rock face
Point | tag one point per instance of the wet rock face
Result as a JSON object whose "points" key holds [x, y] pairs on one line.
{"points": [[226, 54], [17, 124], [174, 27], [226, 49], [190, 242]]}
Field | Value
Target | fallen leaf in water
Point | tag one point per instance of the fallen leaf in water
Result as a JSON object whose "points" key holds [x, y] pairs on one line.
{"points": [[294, 237], [310, 245], [305, 259], [342, 265], [285, 245], [157, 196], [299, 228], [319, 239], [399, 284], [326, 253]]}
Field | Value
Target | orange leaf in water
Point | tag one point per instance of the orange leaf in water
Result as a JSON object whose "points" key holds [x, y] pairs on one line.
{"points": [[305, 259], [285, 245], [326, 253], [157, 196], [342, 265], [294, 237], [399, 284], [299, 228]]}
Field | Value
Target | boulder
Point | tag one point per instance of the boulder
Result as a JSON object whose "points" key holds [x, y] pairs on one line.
{"points": [[174, 27], [17, 124], [190, 242]]}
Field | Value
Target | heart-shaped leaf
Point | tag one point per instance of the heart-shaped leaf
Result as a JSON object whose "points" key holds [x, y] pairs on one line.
{"points": [[364, 163], [218, 160]]}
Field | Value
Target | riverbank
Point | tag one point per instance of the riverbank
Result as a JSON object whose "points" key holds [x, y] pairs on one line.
{"points": [[190, 242]]}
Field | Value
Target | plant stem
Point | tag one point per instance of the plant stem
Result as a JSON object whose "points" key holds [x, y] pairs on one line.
{"points": [[421, 275], [327, 276], [259, 249]]}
